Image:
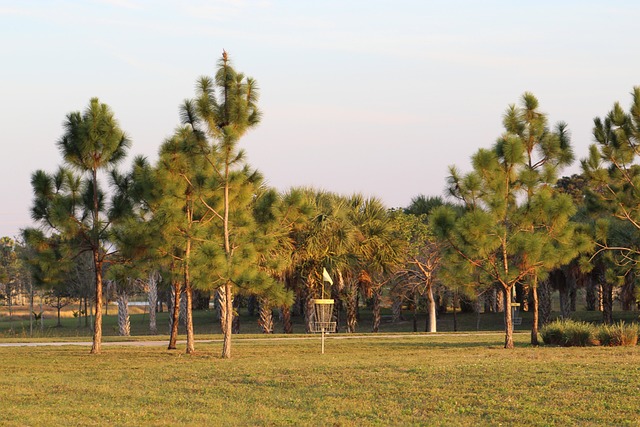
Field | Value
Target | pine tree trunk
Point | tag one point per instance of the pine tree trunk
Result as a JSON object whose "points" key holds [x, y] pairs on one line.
{"points": [[96, 348], [188, 290], [431, 310], [228, 322], [265, 316], [175, 314], [376, 310], [221, 307], [508, 319], [124, 322], [191, 346], [534, 326], [153, 302]]}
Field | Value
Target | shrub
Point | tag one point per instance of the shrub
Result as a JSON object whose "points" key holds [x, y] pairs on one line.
{"points": [[618, 334], [552, 333], [568, 333]]}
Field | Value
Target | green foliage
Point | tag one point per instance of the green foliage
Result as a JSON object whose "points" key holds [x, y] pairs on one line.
{"points": [[568, 333], [422, 205], [70, 204], [93, 139], [47, 258], [571, 333], [618, 334], [613, 175], [516, 226]]}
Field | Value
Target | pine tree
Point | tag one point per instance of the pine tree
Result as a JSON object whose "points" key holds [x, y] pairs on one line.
{"points": [[74, 205], [513, 229], [224, 109]]}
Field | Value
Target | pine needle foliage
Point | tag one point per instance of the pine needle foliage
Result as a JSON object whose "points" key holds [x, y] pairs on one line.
{"points": [[515, 227], [210, 195], [71, 203], [613, 173]]}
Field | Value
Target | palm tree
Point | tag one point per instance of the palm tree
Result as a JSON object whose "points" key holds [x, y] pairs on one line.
{"points": [[323, 240], [277, 217], [375, 249]]}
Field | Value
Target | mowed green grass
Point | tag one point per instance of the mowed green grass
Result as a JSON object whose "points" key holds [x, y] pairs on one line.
{"points": [[441, 379]]}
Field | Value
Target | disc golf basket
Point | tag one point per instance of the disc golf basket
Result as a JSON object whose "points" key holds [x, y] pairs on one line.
{"points": [[323, 310], [515, 314]]}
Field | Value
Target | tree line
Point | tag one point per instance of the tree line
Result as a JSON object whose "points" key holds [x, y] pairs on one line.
{"points": [[202, 221]]}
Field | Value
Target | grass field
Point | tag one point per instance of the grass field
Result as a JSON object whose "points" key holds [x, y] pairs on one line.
{"points": [[443, 379], [418, 379]]}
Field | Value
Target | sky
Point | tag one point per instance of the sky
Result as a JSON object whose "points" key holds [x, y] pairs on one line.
{"points": [[369, 96]]}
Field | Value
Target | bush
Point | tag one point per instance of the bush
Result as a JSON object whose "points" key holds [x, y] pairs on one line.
{"points": [[553, 333], [568, 333], [618, 334]]}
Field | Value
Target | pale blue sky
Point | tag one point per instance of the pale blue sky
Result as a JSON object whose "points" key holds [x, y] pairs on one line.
{"points": [[369, 96]]}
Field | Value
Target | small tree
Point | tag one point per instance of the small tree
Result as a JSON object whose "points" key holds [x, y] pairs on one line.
{"points": [[224, 109], [423, 255], [512, 230], [74, 206], [59, 297]]}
